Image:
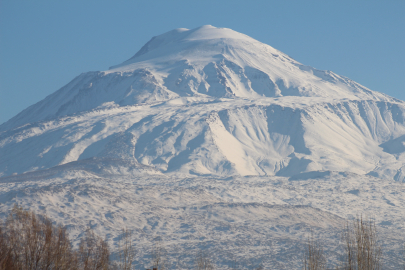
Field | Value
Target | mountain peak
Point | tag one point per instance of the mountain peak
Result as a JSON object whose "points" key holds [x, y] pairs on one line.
{"points": [[205, 62], [180, 35], [193, 43], [211, 32]]}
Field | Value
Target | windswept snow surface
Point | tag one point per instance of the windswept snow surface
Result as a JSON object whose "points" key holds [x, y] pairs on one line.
{"points": [[210, 125]]}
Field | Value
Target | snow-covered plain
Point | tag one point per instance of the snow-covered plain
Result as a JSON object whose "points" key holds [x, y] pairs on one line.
{"points": [[209, 138]]}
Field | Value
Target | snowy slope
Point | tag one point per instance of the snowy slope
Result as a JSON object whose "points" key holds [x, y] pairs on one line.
{"points": [[207, 137], [247, 220], [210, 101], [283, 136]]}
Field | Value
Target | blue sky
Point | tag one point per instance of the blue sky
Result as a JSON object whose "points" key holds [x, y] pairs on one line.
{"points": [[45, 44]]}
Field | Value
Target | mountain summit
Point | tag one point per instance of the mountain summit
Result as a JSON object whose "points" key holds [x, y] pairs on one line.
{"points": [[220, 62], [210, 101], [205, 62]]}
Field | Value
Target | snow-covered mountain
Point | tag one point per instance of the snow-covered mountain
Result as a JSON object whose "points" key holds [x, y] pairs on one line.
{"points": [[207, 104], [211, 101]]}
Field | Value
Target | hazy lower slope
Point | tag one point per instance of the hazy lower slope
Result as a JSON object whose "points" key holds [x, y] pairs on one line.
{"points": [[250, 221]]}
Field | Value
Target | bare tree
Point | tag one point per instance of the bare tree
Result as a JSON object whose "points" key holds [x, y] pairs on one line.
{"points": [[6, 259], [362, 247], [233, 263], [203, 261], [403, 260], [29, 241], [126, 251], [314, 258], [159, 260], [93, 252], [402, 257], [32, 242]]}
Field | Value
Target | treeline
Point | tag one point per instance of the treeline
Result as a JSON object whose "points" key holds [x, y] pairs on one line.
{"points": [[31, 242]]}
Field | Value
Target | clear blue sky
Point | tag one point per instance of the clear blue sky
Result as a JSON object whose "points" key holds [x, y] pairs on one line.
{"points": [[45, 44]]}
